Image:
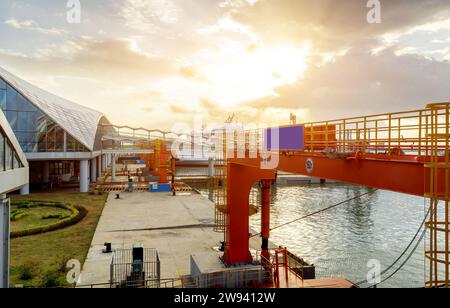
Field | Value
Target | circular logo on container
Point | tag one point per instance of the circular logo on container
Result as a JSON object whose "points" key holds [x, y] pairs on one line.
{"points": [[309, 165]]}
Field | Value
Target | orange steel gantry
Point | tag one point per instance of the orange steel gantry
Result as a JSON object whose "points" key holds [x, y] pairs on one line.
{"points": [[406, 152], [158, 161]]}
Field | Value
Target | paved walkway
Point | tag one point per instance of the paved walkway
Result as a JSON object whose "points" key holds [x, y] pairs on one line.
{"points": [[177, 227], [126, 222]]}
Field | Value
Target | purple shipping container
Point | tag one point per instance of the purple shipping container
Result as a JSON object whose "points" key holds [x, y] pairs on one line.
{"points": [[290, 138]]}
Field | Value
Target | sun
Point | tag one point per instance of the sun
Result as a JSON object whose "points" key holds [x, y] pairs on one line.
{"points": [[245, 76]]}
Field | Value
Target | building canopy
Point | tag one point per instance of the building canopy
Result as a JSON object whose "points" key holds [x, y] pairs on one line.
{"points": [[40, 118]]}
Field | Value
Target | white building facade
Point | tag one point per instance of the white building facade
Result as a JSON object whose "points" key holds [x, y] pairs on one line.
{"points": [[62, 141], [14, 174]]}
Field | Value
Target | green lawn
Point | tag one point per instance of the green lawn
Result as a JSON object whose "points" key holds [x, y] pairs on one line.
{"points": [[34, 217], [39, 260]]}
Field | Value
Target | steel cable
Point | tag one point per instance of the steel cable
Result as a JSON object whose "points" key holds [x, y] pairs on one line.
{"points": [[318, 212]]}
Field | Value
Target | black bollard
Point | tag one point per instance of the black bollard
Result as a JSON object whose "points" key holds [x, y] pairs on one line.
{"points": [[108, 248]]}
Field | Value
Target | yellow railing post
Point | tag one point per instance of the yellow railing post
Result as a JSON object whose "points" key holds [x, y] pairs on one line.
{"points": [[420, 133], [447, 163], [376, 137], [345, 137], [365, 136], [389, 132], [427, 144], [437, 250], [358, 138]]}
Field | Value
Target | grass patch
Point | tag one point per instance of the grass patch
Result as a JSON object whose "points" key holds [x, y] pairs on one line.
{"points": [[16, 215], [53, 221], [48, 252], [35, 216]]}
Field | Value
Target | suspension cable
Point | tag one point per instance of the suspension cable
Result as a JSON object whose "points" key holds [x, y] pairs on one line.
{"points": [[318, 212], [403, 253], [405, 262], [422, 236]]}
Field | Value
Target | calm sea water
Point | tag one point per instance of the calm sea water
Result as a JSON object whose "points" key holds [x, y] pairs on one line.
{"points": [[341, 241]]}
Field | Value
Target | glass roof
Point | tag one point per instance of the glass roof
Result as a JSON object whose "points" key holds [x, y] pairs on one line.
{"points": [[79, 121]]}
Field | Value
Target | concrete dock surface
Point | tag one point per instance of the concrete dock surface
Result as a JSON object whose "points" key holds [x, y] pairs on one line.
{"points": [[128, 221], [185, 228], [177, 227]]}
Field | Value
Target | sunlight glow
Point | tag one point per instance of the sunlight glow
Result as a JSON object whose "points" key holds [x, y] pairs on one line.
{"points": [[255, 74]]}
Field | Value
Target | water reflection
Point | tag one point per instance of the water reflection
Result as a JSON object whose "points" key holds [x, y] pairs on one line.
{"points": [[342, 240]]}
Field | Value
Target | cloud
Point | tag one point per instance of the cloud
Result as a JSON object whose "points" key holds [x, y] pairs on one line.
{"points": [[359, 83], [333, 25], [113, 59], [228, 25], [148, 14], [33, 26], [190, 72], [181, 109]]}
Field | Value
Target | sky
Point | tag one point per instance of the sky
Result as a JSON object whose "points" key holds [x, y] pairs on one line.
{"points": [[153, 63]]}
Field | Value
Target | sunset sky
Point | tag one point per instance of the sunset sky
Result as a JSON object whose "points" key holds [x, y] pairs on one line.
{"points": [[152, 63]]}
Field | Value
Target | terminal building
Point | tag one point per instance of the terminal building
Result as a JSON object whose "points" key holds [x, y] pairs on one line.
{"points": [[61, 140], [14, 174]]}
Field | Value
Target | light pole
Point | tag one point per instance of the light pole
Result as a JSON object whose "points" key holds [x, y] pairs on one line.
{"points": [[4, 238]]}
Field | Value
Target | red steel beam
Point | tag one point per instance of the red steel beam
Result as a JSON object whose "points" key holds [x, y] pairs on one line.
{"points": [[241, 178], [400, 174], [403, 176]]}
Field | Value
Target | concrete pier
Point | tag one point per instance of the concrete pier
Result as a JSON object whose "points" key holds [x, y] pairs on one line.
{"points": [[180, 228], [184, 226], [142, 212]]}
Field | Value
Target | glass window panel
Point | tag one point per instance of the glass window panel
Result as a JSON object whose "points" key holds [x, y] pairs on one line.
{"points": [[21, 103], [20, 162], [42, 147], [32, 121], [71, 144], [31, 137], [12, 119], [15, 161], [33, 147], [51, 126], [2, 99], [21, 136], [2, 152], [42, 142], [51, 139], [22, 121], [81, 148], [11, 98], [8, 157], [2, 84], [24, 104], [59, 141], [41, 124]]}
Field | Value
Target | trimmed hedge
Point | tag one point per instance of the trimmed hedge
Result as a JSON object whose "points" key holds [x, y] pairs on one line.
{"points": [[78, 213], [17, 215]]}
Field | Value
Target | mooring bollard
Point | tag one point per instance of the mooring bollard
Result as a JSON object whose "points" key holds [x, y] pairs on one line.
{"points": [[108, 248]]}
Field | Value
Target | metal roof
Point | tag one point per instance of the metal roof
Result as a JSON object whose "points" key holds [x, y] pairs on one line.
{"points": [[79, 121]]}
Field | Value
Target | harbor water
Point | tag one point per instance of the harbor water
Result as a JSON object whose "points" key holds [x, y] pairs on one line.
{"points": [[348, 240]]}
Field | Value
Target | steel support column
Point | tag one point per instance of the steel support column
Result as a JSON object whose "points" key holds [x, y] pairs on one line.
{"points": [[241, 179], [113, 167], [265, 217], [211, 167], [84, 176], [25, 190], [94, 170], [4, 241]]}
